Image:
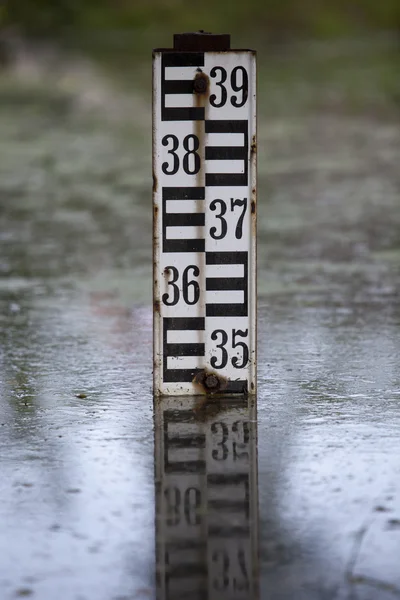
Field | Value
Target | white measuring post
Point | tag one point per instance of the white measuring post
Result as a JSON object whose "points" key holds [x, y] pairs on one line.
{"points": [[204, 200]]}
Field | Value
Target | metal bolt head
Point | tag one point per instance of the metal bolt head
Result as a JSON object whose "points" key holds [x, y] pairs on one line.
{"points": [[200, 83], [211, 382]]}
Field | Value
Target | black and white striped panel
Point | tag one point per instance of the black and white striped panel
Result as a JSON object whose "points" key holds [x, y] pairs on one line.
{"points": [[230, 166], [173, 66], [224, 285], [204, 198], [183, 443], [228, 505], [185, 570], [181, 359], [182, 216]]}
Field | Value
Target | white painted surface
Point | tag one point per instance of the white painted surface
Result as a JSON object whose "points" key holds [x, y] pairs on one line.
{"points": [[204, 237]]}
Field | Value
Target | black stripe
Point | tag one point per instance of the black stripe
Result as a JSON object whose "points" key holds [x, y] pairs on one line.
{"points": [[226, 258], [225, 153], [231, 309], [185, 466], [174, 442], [234, 309], [179, 375], [183, 59], [228, 505], [180, 323], [227, 478], [225, 126], [182, 544], [229, 531], [239, 386], [186, 441], [224, 283], [179, 59], [179, 416], [186, 570], [183, 193], [200, 593], [191, 245], [227, 179], [228, 153], [185, 349], [178, 86], [184, 219], [226, 310]]}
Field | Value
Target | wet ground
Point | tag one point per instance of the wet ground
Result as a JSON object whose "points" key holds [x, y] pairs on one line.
{"points": [[94, 503]]}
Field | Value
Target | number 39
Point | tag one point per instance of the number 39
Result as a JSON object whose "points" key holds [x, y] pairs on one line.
{"points": [[237, 84]]}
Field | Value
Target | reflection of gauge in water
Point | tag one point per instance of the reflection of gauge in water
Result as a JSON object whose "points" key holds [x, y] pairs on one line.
{"points": [[206, 499]]}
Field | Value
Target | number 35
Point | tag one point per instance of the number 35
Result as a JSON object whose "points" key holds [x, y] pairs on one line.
{"points": [[236, 362]]}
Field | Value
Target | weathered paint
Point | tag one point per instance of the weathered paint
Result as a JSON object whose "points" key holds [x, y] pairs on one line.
{"points": [[204, 165]]}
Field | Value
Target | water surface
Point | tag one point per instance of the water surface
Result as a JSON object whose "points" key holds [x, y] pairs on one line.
{"points": [[81, 452]]}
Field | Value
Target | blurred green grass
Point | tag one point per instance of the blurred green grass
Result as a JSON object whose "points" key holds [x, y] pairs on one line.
{"points": [[345, 51], [271, 19]]}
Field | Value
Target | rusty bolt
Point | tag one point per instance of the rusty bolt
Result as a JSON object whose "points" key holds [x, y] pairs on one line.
{"points": [[200, 83], [211, 382]]}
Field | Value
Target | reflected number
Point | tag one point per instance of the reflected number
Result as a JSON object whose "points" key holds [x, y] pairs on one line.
{"points": [[190, 503], [238, 436], [238, 579]]}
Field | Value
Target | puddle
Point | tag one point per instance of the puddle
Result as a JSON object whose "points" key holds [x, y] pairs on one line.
{"points": [[81, 509]]}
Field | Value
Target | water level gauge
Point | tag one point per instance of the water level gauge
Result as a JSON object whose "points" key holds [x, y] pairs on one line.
{"points": [[204, 166]]}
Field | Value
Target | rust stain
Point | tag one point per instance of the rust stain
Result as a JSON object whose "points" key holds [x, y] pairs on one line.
{"points": [[157, 306], [253, 207], [207, 407], [155, 182], [201, 91], [201, 83], [167, 271], [210, 382], [253, 147]]}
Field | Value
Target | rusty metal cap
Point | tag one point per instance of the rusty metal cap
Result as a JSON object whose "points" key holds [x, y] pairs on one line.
{"points": [[202, 41]]}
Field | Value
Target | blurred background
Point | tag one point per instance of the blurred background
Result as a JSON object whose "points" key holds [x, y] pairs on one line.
{"points": [[350, 47], [76, 405], [151, 19]]}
